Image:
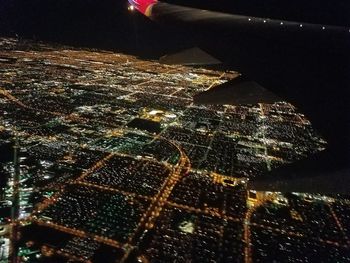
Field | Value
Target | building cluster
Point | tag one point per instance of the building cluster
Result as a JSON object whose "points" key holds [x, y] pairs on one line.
{"points": [[300, 229], [189, 237], [142, 177], [98, 212], [201, 191]]}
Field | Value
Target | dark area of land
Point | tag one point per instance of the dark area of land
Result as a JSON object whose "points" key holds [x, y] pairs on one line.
{"points": [[6, 152], [143, 124], [35, 232]]}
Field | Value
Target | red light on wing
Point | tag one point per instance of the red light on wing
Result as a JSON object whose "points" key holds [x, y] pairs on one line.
{"points": [[143, 6]]}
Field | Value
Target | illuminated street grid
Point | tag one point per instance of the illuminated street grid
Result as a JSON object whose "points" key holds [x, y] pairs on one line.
{"points": [[117, 163]]}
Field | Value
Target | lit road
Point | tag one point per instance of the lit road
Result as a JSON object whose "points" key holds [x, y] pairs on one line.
{"points": [[159, 201]]}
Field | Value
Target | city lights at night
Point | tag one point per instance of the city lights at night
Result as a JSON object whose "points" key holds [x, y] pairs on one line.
{"points": [[174, 131]]}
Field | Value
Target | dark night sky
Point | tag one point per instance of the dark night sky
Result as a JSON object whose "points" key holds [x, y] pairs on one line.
{"points": [[93, 23], [108, 24]]}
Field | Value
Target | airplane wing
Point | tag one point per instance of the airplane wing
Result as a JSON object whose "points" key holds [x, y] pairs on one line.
{"points": [[175, 14], [306, 64]]}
